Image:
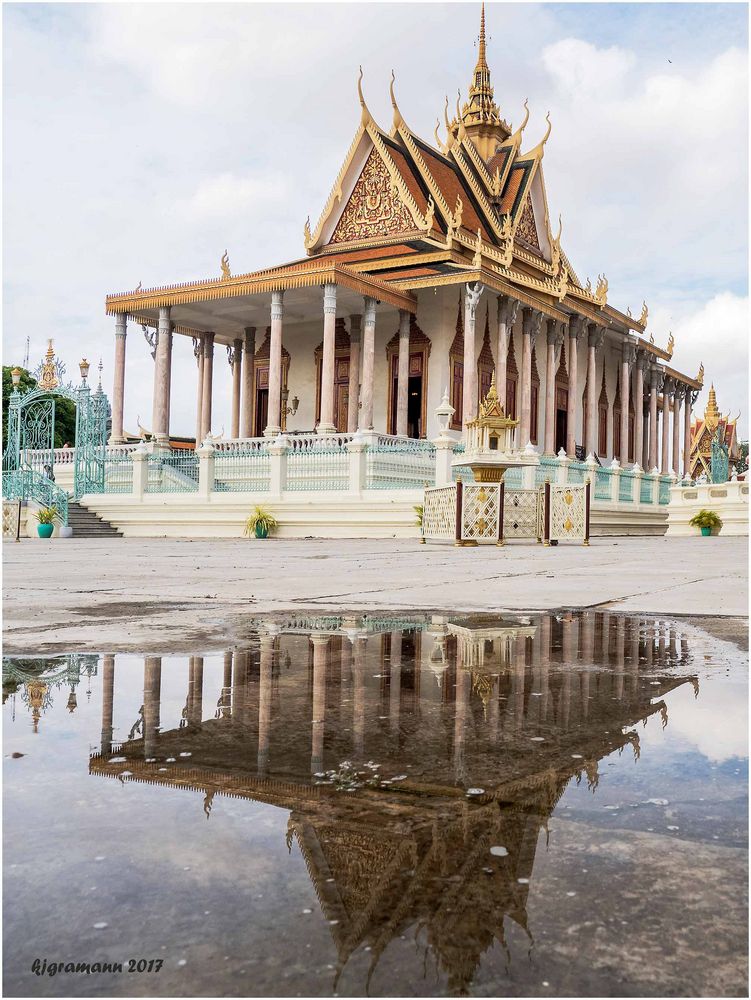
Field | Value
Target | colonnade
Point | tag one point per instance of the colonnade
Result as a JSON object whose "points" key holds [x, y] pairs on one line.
{"points": [[615, 644], [641, 381]]}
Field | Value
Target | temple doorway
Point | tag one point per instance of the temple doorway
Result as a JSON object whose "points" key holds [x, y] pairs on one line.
{"points": [[262, 409], [414, 407], [419, 352], [561, 418]]}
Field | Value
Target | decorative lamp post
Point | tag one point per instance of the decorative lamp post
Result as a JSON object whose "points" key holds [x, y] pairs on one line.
{"points": [[16, 377], [84, 369], [444, 413], [288, 410]]}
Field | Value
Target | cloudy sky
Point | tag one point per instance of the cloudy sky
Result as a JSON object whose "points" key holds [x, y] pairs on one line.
{"points": [[141, 140]]}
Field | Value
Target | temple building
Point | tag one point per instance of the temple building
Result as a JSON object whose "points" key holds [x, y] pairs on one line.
{"points": [[432, 265], [713, 426]]}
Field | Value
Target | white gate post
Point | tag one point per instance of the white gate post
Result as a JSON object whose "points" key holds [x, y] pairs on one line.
{"points": [[591, 464], [636, 483], [278, 466], [563, 463], [140, 472], [655, 474], [357, 451], [615, 480], [205, 470], [529, 469]]}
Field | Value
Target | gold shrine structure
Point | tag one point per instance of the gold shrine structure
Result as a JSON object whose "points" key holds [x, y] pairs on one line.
{"points": [[433, 264], [704, 430]]}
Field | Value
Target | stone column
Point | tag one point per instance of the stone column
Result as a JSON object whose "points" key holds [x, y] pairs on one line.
{"points": [[273, 427], [645, 433], [198, 355], [161, 377], [248, 378], [629, 354], [237, 369], [118, 387], [354, 372], [395, 682], [152, 686], [555, 339], [207, 392], [402, 395], [507, 311], [667, 389], [678, 395], [264, 703], [596, 335], [532, 321], [472, 295], [368, 366], [320, 662], [168, 387], [226, 698], [690, 397], [641, 362], [575, 332], [195, 691], [326, 423], [655, 382], [108, 697]]}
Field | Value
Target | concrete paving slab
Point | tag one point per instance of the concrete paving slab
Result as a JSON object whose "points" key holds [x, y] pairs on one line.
{"points": [[134, 593]]}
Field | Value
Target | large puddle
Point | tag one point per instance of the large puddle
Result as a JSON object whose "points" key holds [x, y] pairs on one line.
{"points": [[551, 805]]}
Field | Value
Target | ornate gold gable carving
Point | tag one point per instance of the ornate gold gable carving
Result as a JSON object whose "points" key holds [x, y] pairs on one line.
{"points": [[375, 207], [527, 229]]}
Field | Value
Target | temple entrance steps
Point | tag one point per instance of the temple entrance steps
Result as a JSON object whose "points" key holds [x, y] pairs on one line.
{"points": [[86, 524]]}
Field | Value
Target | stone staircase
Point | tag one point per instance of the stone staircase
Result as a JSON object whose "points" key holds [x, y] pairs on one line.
{"points": [[86, 524]]}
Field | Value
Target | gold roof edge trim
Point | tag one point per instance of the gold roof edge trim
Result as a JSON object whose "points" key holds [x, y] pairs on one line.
{"points": [[280, 279]]}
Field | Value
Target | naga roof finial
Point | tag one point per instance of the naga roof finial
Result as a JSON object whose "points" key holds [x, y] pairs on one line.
{"points": [[366, 116], [398, 120]]}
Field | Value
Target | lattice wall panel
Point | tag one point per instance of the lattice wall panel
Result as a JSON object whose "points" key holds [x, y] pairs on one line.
{"points": [[568, 513], [522, 514], [480, 512], [439, 514], [10, 517]]}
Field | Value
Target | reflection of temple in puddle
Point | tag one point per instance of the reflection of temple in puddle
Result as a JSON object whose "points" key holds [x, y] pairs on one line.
{"points": [[476, 729], [37, 680]]}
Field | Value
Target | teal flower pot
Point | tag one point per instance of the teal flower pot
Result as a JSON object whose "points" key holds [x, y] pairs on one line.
{"points": [[706, 532], [262, 531], [45, 530]]}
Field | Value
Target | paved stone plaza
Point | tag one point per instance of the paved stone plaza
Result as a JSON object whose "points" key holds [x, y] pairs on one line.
{"points": [[142, 593]]}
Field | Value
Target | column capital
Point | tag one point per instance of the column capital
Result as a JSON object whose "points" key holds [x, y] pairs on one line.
{"points": [[656, 379], [577, 326], [472, 295], [277, 305], [531, 321], [596, 336], [642, 360], [679, 392], [121, 324], [629, 353], [198, 347], [329, 298], [405, 320], [319, 639], [370, 311], [164, 315], [555, 332], [508, 309], [250, 336]]}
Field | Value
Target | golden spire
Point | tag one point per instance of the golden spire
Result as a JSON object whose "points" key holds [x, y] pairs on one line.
{"points": [[480, 115], [712, 412]]}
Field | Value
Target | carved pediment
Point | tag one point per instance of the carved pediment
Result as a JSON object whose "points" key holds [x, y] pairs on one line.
{"points": [[527, 228], [375, 207]]}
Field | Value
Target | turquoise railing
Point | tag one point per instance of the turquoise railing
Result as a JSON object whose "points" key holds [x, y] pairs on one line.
{"points": [[546, 471], [665, 484], [118, 473], [603, 487], [626, 487], [176, 472], [242, 468], [645, 490], [399, 463], [578, 473], [26, 484], [317, 463]]}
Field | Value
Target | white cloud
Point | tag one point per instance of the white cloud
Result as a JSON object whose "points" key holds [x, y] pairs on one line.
{"points": [[582, 70], [225, 195]]}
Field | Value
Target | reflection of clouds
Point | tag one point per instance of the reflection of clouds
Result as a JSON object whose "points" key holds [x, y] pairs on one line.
{"points": [[716, 722]]}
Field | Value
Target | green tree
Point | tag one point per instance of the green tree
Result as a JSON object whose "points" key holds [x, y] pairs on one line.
{"points": [[65, 409]]}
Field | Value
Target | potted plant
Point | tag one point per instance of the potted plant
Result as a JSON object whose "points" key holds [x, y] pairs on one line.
{"points": [[706, 520], [46, 517], [419, 510], [261, 522]]}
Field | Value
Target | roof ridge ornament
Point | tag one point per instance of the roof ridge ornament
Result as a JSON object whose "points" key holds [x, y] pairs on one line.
{"points": [[398, 119], [226, 273], [539, 149], [644, 314], [671, 344], [366, 117]]}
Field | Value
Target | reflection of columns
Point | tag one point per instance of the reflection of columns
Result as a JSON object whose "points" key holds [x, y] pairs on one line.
{"points": [[596, 335], [629, 353], [207, 392], [328, 360], [517, 683], [108, 697], [273, 425], [605, 651], [665, 458], [687, 432], [264, 703], [358, 698], [395, 683], [118, 387], [641, 361], [655, 380], [199, 356], [152, 683], [402, 383], [354, 372], [588, 638], [620, 655], [237, 368], [554, 341], [463, 689], [226, 698], [532, 320], [472, 295], [368, 365], [162, 376], [195, 691], [320, 663], [507, 310], [544, 647], [248, 377], [677, 398], [575, 331]]}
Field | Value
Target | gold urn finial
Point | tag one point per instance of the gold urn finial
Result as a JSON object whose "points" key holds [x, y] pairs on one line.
{"points": [[712, 412]]}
